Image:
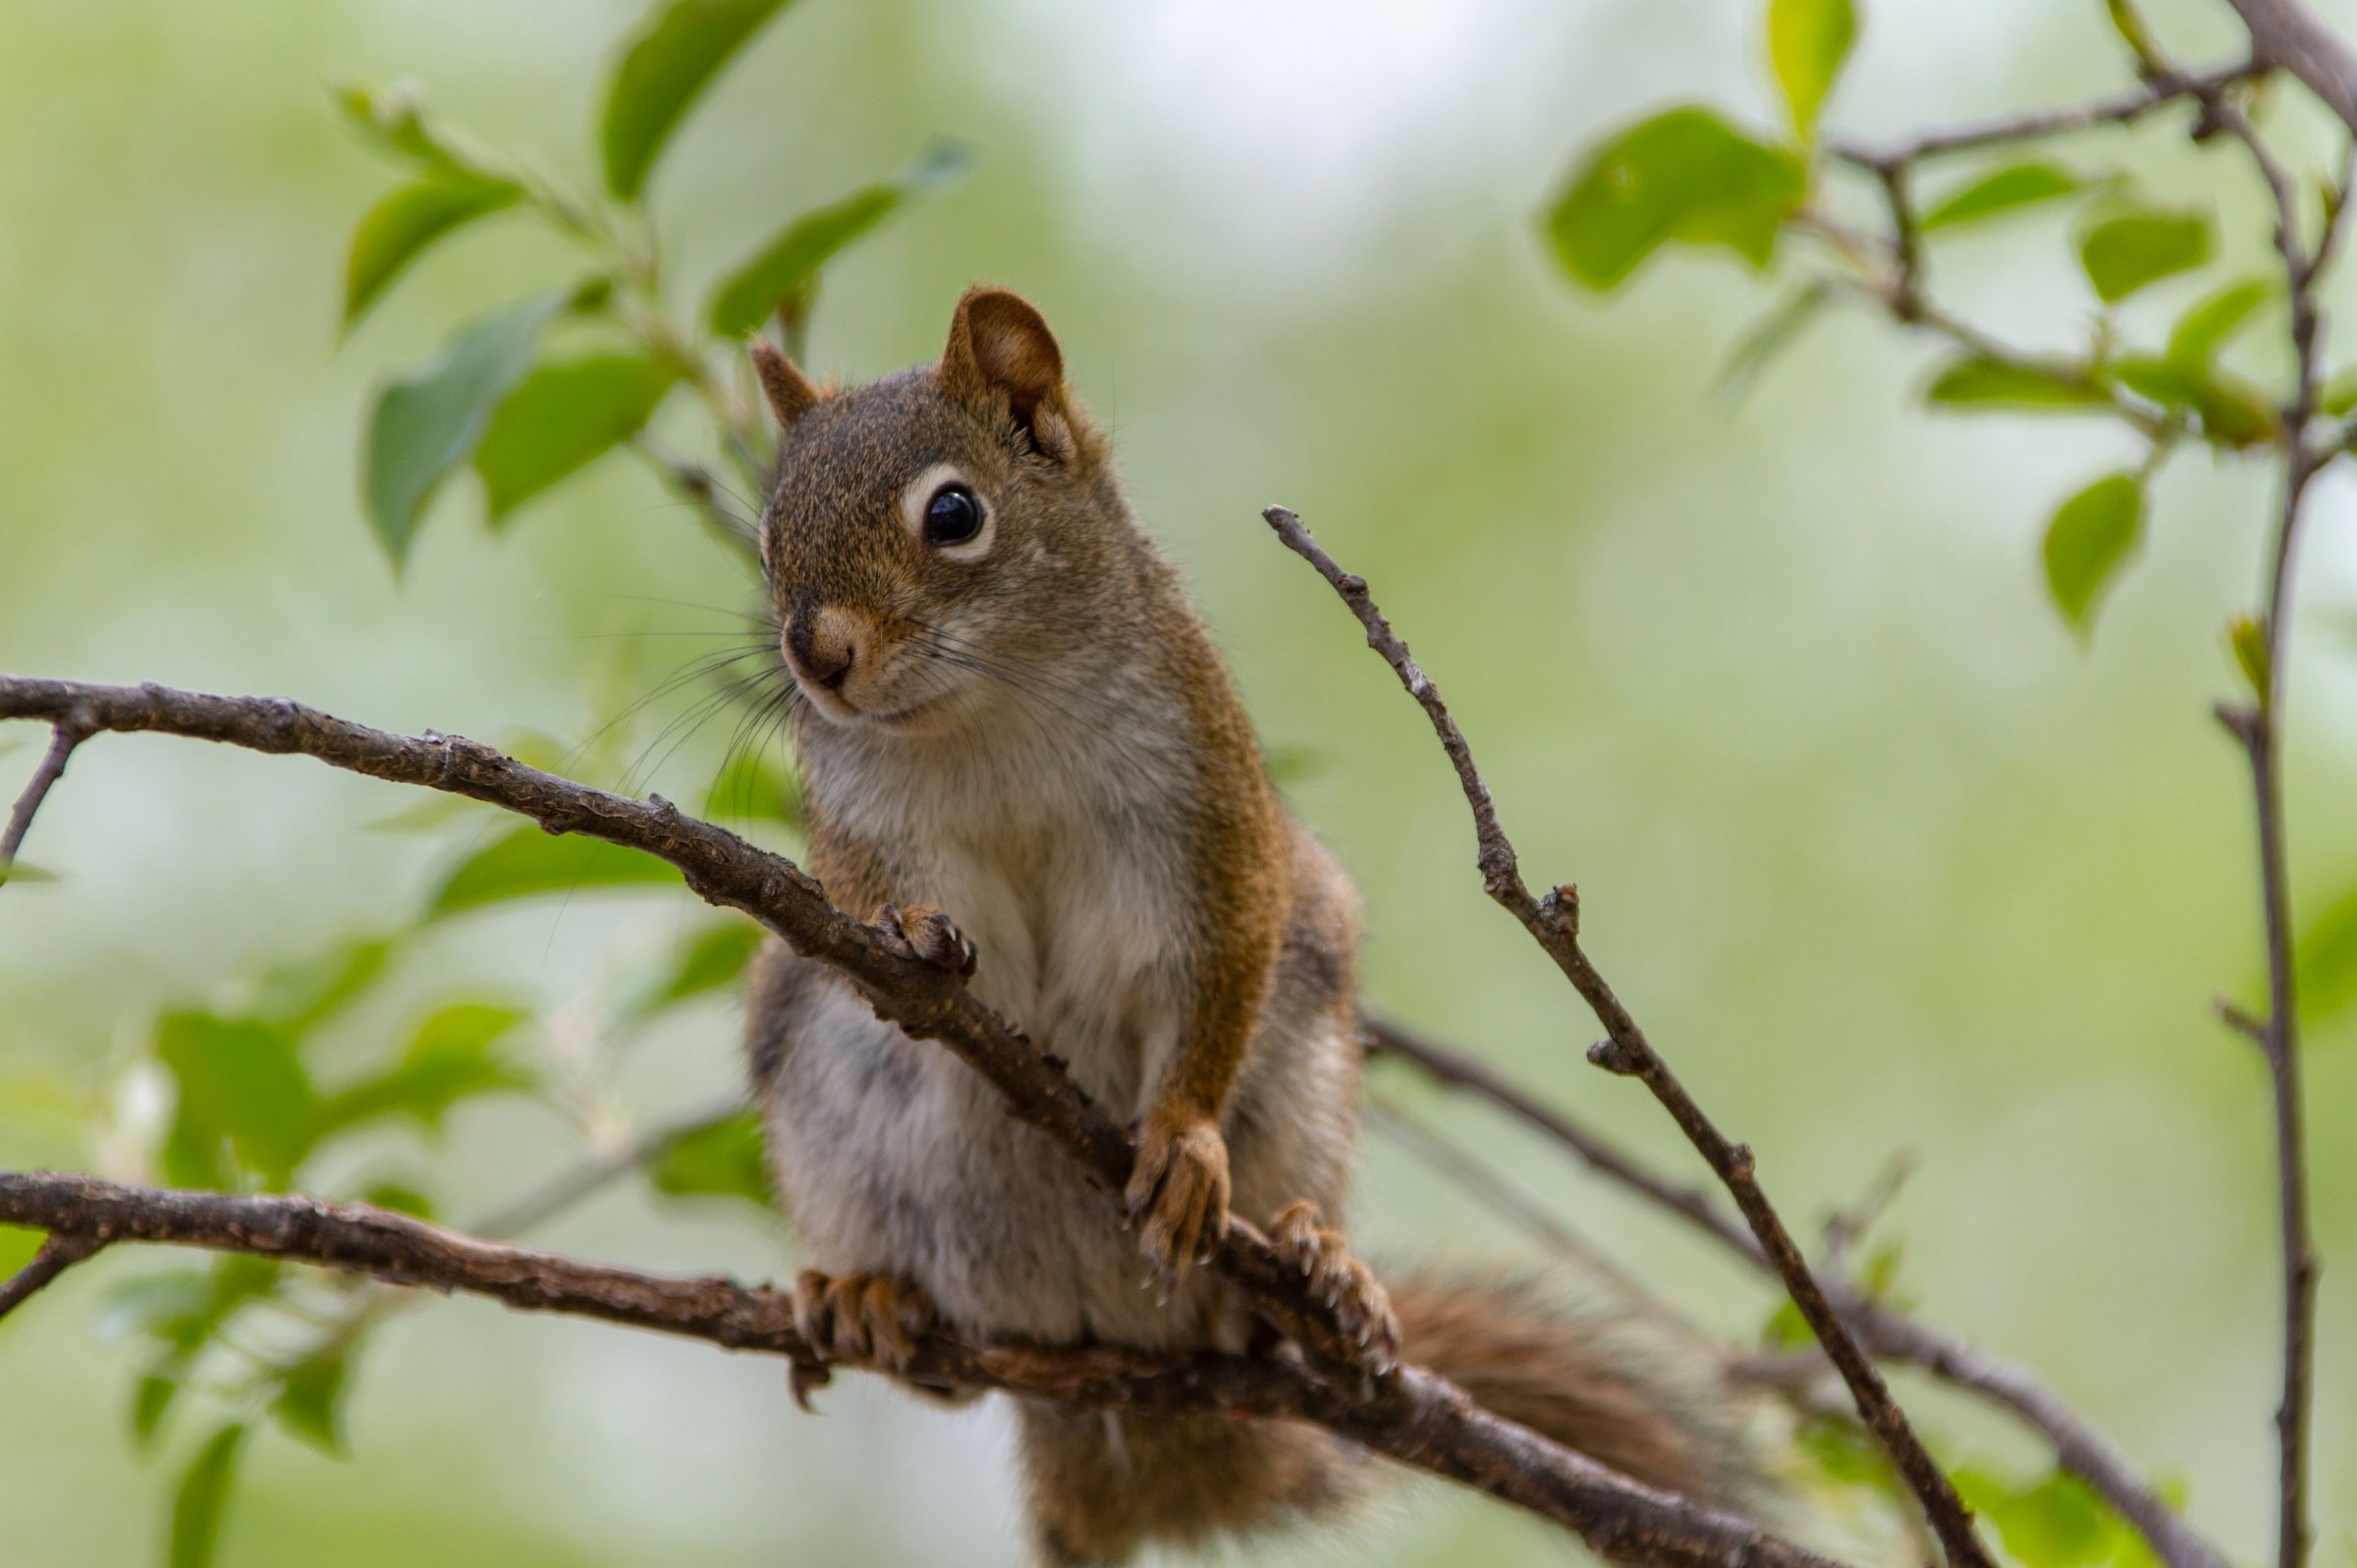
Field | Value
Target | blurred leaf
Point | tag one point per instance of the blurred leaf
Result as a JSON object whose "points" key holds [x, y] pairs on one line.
{"points": [[528, 863], [1807, 42], [310, 1400], [2211, 321], [405, 223], [743, 299], [399, 1197], [2325, 960], [17, 1247], [1770, 337], [2002, 191], [2092, 535], [1971, 381], [1787, 1330], [395, 119], [2232, 412], [198, 1503], [720, 1161], [752, 786], [2248, 639], [299, 995], [182, 1309], [239, 1081], [2059, 1521], [564, 416], [151, 1401], [711, 960], [2338, 396], [426, 423], [2123, 253], [1292, 765], [1686, 174], [452, 1056], [2132, 32], [672, 56], [23, 871], [1845, 1452]]}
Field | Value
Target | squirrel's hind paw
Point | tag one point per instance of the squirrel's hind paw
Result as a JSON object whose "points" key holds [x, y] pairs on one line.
{"points": [[1362, 1308], [1179, 1194], [870, 1319]]}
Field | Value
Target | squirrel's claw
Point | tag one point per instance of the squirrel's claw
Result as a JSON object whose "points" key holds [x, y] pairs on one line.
{"points": [[924, 933], [865, 1318], [1349, 1288], [1178, 1196]]}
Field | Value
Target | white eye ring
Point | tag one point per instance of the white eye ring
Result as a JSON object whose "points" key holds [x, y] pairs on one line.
{"points": [[918, 497]]}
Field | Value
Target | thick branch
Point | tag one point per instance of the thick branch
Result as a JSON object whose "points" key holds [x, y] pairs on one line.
{"points": [[2286, 33], [1553, 923], [1448, 1435], [1406, 1412]]}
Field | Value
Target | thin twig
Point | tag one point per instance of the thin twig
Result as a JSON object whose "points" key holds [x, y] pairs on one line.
{"points": [[57, 1252], [67, 734], [1616, 1517], [569, 1187], [2117, 110], [1553, 923]]}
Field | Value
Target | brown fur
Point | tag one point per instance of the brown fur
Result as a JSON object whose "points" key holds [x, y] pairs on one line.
{"points": [[1030, 736]]}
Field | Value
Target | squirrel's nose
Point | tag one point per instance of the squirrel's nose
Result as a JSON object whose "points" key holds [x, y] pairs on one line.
{"points": [[822, 646]]}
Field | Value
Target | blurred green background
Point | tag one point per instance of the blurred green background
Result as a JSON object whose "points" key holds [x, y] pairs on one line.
{"points": [[1882, 857]]}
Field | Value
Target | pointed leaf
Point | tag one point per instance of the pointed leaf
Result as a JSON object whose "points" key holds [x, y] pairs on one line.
{"points": [[2002, 191], [676, 49], [714, 960], [151, 1401], [1976, 382], [405, 223], [426, 423], [528, 863], [2128, 251], [1686, 174], [2248, 639], [310, 1401], [2211, 321], [721, 1159], [1807, 42], [202, 1493], [564, 416], [2233, 412], [2091, 537], [1770, 337], [743, 298]]}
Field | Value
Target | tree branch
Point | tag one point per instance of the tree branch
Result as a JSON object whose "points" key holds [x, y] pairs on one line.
{"points": [[2286, 33], [68, 732], [1405, 1411], [1553, 921], [58, 1254], [1616, 1517]]}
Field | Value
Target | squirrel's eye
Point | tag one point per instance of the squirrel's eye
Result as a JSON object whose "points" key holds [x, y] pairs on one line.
{"points": [[953, 516]]}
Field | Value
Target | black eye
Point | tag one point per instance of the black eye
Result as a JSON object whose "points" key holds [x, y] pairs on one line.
{"points": [[953, 516]]}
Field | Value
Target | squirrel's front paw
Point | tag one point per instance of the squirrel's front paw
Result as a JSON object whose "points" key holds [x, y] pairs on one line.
{"points": [[924, 932], [1362, 1308], [1179, 1192], [872, 1319]]}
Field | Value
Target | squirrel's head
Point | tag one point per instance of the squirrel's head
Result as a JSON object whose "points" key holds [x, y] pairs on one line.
{"points": [[933, 534]]}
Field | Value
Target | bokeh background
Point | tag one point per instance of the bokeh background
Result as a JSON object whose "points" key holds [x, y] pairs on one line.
{"points": [[1885, 859]]}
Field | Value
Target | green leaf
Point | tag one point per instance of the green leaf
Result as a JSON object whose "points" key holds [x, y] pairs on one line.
{"points": [[2211, 321], [1684, 175], [2091, 537], [240, 1082], [23, 871], [2325, 961], [2338, 396], [2002, 191], [426, 423], [310, 1400], [182, 1309], [2128, 251], [1770, 337], [2059, 1521], [752, 787], [1974, 382], [673, 55], [452, 1056], [299, 995], [151, 1401], [2248, 640], [721, 1159], [713, 959], [405, 223], [395, 119], [785, 267], [399, 1197], [198, 1501], [2233, 412], [564, 416], [1807, 42], [528, 863]]}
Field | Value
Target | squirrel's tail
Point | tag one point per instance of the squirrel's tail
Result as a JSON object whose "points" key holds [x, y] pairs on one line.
{"points": [[1102, 1485]]}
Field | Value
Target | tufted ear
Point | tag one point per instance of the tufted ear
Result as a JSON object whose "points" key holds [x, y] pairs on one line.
{"points": [[1001, 345], [790, 393]]}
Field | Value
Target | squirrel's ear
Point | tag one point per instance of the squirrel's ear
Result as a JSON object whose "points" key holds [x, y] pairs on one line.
{"points": [[1000, 345], [790, 393]]}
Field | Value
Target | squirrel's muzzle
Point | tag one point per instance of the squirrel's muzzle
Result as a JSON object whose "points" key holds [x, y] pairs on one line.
{"points": [[823, 643]]}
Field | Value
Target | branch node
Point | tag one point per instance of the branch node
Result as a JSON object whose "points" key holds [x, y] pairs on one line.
{"points": [[1614, 1058]]}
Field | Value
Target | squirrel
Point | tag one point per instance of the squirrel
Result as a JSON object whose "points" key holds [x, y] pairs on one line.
{"points": [[1019, 743]]}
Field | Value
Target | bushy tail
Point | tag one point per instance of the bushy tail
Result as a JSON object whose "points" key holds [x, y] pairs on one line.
{"points": [[1102, 1485]]}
